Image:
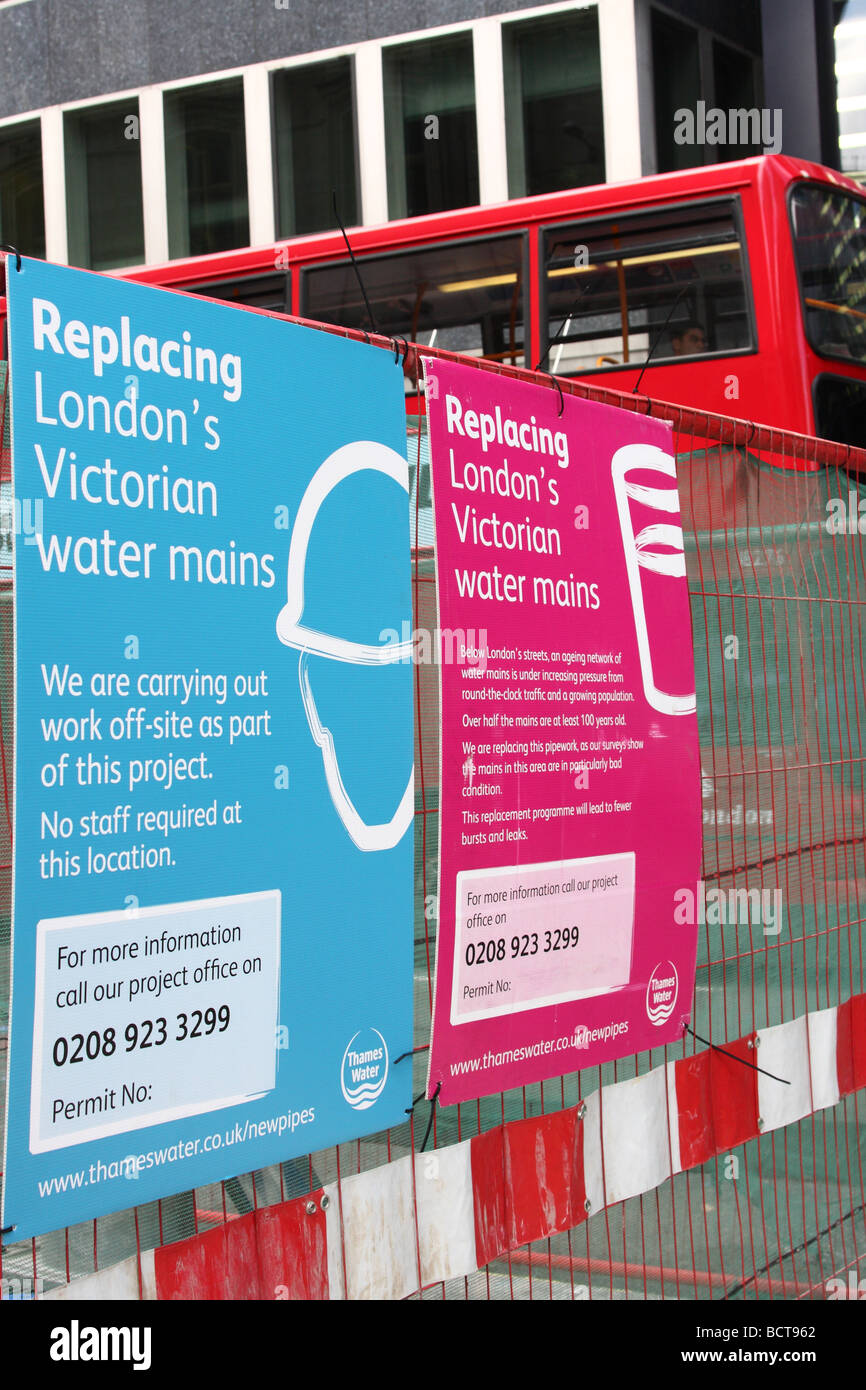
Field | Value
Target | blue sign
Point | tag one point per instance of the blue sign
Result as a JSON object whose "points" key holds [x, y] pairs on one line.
{"points": [[212, 924]]}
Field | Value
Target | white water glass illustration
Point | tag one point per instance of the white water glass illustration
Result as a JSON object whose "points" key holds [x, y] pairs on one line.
{"points": [[653, 548]]}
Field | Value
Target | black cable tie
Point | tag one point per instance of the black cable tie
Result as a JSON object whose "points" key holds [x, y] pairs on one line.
{"points": [[658, 337], [394, 342], [13, 250], [418, 1097], [411, 1053], [373, 324], [734, 1057], [555, 381], [566, 318], [7, 1230], [433, 1100]]}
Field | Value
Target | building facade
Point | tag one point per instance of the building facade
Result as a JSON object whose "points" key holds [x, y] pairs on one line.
{"points": [[851, 88], [139, 133]]}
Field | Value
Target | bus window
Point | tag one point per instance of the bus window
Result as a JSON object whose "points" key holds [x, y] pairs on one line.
{"points": [[611, 285], [465, 296], [256, 291], [840, 409], [830, 247]]}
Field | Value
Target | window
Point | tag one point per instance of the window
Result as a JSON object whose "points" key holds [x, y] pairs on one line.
{"points": [[610, 286], [734, 84], [840, 409], [466, 296], [314, 142], [553, 108], [676, 86], [103, 186], [206, 169], [852, 137], [257, 291], [430, 131], [851, 88], [22, 214], [829, 230]]}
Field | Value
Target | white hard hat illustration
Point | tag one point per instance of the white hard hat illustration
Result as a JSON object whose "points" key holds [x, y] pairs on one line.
{"points": [[352, 458], [358, 457]]}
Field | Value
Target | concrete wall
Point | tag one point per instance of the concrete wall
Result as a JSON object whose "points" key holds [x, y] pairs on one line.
{"points": [[55, 51]]}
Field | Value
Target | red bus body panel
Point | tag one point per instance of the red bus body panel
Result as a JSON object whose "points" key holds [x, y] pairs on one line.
{"points": [[771, 385]]}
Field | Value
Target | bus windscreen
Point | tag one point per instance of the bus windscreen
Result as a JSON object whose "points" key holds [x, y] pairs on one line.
{"points": [[829, 229]]}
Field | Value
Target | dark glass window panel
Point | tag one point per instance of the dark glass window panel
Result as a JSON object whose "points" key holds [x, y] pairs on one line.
{"points": [[465, 296], [206, 169], [314, 134], [554, 118], [734, 81], [431, 135], [611, 307], [829, 231], [256, 291], [676, 86], [22, 210], [105, 216], [840, 410], [448, 178]]}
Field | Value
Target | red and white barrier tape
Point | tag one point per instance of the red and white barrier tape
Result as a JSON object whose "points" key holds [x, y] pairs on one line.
{"points": [[385, 1233]]}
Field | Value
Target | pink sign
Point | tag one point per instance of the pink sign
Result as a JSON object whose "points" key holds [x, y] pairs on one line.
{"points": [[570, 811]]}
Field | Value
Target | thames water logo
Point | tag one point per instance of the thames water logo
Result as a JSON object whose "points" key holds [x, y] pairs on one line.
{"points": [[661, 992], [365, 1069]]}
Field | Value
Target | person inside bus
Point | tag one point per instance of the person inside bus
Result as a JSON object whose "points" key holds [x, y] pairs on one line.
{"points": [[688, 339]]}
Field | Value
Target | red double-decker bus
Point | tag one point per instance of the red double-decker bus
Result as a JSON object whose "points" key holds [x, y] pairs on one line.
{"points": [[737, 288]]}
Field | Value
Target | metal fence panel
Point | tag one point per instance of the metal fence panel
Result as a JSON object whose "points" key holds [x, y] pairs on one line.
{"points": [[779, 620]]}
